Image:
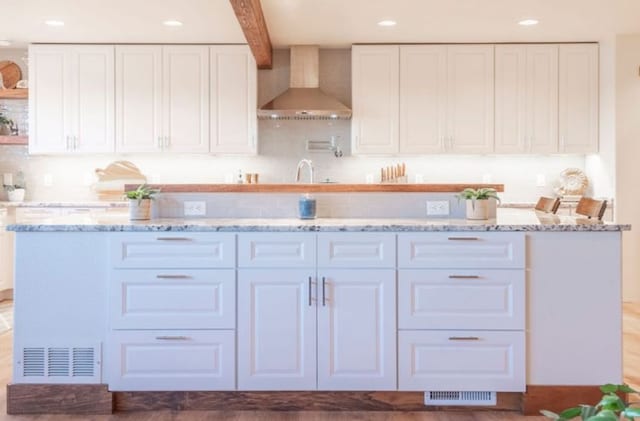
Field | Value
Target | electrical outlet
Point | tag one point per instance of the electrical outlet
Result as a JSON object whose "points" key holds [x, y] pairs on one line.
{"points": [[437, 208], [541, 180], [487, 178], [419, 178], [48, 180], [195, 208]]}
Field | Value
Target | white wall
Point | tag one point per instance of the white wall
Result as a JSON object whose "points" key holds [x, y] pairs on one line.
{"points": [[627, 157]]}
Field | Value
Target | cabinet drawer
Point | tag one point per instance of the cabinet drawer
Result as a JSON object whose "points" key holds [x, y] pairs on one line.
{"points": [[172, 299], [460, 360], [496, 250], [173, 250], [281, 249], [171, 360], [356, 250], [461, 299]]}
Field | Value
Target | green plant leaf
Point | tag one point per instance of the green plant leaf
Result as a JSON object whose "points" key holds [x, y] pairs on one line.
{"points": [[609, 388], [567, 414], [631, 412], [549, 414], [605, 415], [611, 402], [587, 411], [626, 389]]}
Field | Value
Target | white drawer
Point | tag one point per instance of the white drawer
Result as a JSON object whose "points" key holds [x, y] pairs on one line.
{"points": [[173, 250], [357, 250], [172, 299], [171, 360], [279, 249], [461, 360], [461, 299], [498, 250]]}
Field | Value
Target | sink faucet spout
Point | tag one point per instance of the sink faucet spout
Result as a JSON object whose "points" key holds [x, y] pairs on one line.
{"points": [[301, 164]]}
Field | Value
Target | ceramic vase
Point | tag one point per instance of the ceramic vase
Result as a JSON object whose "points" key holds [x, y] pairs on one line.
{"points": [[16, 195], [139, 210], [477, 209]]}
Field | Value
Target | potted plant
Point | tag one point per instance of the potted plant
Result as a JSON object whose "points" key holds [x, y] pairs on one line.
{"points": [[140, 202], [15, 191], [5, 125], [610, 408], [478, 201]]}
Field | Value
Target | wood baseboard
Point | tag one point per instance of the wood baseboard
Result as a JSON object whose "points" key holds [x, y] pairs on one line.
{"points": [[6, 294], [558, 398], [83, 399]]}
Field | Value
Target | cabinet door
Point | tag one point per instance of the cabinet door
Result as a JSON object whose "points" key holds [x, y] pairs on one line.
{"points": [[92, 107], [357, 330], [138, 98], [423, 84], [276, 329], [511, 88], [49, 102], [470, 98], [375, 93], [578, 102], [233, 118], [185, 83], [542, 99]]}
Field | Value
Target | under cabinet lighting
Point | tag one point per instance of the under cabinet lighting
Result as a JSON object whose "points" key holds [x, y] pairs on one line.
{"points": [[387, 23], [172, 22], [528, 22], [54, 22], [4, 43]]}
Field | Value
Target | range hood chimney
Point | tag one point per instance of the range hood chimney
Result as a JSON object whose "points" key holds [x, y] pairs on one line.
{"points": [[304, 100]]}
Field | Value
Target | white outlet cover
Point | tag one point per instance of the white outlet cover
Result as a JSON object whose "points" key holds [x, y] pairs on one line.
{"points": [[437, 208], [195, 208], [48, 180]]}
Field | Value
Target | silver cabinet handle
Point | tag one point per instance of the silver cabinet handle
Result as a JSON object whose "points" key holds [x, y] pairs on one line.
{"points": [[174, 277], [464, 338], [167, 142], [324, 301], [464, 277], [68, 143], [462, 238], [310, 291], [173, 239], [160, 145], [75, 142], [172, 338]]}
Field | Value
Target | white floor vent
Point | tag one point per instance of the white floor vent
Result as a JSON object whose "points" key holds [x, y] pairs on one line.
{"points": [[60, 364], [459, 398]]}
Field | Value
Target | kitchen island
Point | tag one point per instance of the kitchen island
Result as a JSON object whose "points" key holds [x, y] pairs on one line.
{"points": [[326, 313]]}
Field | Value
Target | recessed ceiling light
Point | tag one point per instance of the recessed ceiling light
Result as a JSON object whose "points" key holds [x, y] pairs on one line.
{"points": [[4, 43], [528, 22], [172, 22], [54, 22], [387, 23]]}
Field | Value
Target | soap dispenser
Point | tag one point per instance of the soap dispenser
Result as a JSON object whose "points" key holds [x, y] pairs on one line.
{"points": [[307, 207]]}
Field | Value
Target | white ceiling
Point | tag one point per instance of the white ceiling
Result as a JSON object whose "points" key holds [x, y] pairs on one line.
{"points": [[329, 23]]}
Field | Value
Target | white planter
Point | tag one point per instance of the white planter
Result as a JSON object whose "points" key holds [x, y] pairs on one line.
{"points": [[478, 209], [16, 195], [139, 211]]}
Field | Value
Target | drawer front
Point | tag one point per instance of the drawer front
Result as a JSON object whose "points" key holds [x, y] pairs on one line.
{"points": [[460, 360], [172, 299], [496, 250], [461, 299], [171, 360], [173, 250], [356, 250], [280, 249]]}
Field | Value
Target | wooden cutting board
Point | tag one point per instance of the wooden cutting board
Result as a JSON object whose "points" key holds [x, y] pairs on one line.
{"points": [[11, 74], [111, 180]]}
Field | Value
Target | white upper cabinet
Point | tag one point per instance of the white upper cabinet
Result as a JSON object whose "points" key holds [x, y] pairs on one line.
{"points": [[375, 90], [233, 119], [469, 99], [72, 98], [526, 99], [578, 98]]}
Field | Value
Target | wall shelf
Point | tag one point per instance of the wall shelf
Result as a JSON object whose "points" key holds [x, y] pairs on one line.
{"points": [[14, 140], [14, 93]]}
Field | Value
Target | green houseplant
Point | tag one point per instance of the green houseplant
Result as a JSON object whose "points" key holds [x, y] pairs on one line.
{"points": [[16, 190], [610, 408], [478, 201], [5, 125], [140, 202]]}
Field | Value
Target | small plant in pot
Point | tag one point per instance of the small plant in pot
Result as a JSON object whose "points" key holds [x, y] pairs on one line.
{"points": [[140, 202], [5, 125], [15, 191], [478, 201], [610, 408]]}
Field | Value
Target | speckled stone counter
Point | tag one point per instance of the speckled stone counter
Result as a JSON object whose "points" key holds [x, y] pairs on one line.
{"points": [[507, 220], [85, 204]]}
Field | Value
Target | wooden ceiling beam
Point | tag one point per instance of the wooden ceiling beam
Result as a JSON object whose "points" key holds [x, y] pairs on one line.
{"points": [[249, 14]]}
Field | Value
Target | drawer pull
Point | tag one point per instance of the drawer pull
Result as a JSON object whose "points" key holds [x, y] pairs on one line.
{"points": [[464, 277], [173, 276], [172, 338], [173, 239], [310, 291], [463, 238], [324, 302], [464, 338]]}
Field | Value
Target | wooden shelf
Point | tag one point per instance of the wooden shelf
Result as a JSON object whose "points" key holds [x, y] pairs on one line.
{"points": [[14, 93], [14, 140]]}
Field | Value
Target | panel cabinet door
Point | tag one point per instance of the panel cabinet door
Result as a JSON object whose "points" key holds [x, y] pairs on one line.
{"points": [[357, 329], [138, 98], [233, 118], [542, 99], [185, 111], [578, 101], [423, 84], [511, 89], [470, 98], [276, 329], [375, 93]]}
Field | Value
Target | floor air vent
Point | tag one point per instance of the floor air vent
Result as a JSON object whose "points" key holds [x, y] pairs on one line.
{"points": [[60, 364], [459, 398]]}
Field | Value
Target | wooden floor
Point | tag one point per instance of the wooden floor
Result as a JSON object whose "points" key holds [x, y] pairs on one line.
{"points": [[631, 325]]}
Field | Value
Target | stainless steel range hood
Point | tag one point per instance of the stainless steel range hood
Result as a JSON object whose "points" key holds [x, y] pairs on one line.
{"points": [[304, 100]]}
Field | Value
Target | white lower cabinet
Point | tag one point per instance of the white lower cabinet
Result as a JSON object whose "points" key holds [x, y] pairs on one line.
{"points": [[165, 360]]}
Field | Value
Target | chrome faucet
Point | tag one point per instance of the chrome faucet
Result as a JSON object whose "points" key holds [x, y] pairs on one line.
{"points": [[300, 165]]}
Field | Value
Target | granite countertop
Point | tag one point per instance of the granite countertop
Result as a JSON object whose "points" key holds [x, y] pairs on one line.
{"points": [[80, 204], [507, 220]]}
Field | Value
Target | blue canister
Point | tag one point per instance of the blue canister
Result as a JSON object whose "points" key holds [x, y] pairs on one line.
{"points": [[307, 207]]}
